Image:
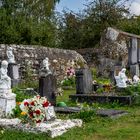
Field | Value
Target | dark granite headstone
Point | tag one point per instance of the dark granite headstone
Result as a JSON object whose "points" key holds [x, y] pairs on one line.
{"points": [[13, 72], [47, 88], [133, 51], [83, 81], [134, 70], [114, 72]]}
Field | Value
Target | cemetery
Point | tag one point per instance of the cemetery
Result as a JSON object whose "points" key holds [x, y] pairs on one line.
{"points": [[38, 108], [70, 76]]}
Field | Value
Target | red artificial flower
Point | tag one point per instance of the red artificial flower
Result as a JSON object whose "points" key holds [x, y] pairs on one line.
{"points": [[32, 103], [38, 112], [45, 104], [31, 114], [39, 121], [26, 104]]}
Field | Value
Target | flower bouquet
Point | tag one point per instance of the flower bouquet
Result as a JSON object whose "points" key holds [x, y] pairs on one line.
{"points": [[36, 109]]}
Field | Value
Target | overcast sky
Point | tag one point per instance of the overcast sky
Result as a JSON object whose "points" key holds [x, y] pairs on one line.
{"points": [[76, 5]]}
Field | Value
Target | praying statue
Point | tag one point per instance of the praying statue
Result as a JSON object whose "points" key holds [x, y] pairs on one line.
{"points": [[46, 64], [45, 67], [121, 79], [5, 80], [10, 55]]}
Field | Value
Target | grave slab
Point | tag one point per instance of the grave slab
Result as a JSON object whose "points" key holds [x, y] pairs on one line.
{"points": [[67, 110], [52, 128], [111, 113], [124, 100], [101, 112]]}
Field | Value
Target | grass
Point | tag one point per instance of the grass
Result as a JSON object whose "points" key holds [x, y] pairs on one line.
{"points": [[98, 128]]}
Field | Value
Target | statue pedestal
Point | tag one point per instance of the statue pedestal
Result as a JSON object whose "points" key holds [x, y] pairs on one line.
{"points": [[13, 73], [7, 103]]}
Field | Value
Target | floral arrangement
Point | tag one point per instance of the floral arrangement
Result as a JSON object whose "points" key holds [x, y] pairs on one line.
{"points": [[35, 109], [69, 79], [70, 72]]}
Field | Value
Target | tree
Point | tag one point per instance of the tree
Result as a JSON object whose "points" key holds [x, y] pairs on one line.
{"points": [[27, 22], [84, 30]]}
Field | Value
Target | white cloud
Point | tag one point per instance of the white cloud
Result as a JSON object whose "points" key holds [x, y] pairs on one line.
{"points": [[135, 7]]}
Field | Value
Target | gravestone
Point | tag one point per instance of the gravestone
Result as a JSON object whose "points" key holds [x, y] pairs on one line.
{"points": [[47, 88], [134, 70], [133, 51], [13, 72], [83, 81], [138, 51], [114, 73], [47, 82], [13, 68]]}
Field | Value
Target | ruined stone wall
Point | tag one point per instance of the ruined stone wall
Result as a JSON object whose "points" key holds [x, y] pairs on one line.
{"points": [[27, 55], [116, 48]]}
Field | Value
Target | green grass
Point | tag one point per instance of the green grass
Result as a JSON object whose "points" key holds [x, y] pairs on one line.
{"points": [[97, 128]]}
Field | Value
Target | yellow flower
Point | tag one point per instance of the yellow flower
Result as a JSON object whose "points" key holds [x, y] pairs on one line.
{"points": [[18, 103], [23, 113]]}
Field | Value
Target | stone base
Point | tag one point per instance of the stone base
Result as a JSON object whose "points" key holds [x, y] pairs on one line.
{"points": [[124, 100], [52, 128], [7, 103]]}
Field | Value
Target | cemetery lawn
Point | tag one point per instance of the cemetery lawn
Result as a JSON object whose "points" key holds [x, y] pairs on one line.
{"points": [[97, 128]]}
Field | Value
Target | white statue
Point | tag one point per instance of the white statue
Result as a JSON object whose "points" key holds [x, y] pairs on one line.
{"points": [[121, 79], [10, 55], [5, 80], [46, 64], [136, 79], [45, 68]]}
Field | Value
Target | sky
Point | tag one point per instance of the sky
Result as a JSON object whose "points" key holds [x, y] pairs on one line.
{"points": [[76, 5]]}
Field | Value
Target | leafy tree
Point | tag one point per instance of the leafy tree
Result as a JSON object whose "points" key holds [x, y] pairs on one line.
{"points": [[83, 30], [27, 22]]}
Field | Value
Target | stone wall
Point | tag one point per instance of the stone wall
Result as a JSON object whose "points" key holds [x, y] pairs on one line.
{"points": [[27, 55], [122, 48], [116, 48]]}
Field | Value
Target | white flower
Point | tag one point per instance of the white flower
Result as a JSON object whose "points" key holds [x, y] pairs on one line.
{"points": [[55, 61]]}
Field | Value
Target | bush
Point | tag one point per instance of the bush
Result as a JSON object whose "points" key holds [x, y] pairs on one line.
{"points": [[86, 116], [20, 95], [68, 82]]}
